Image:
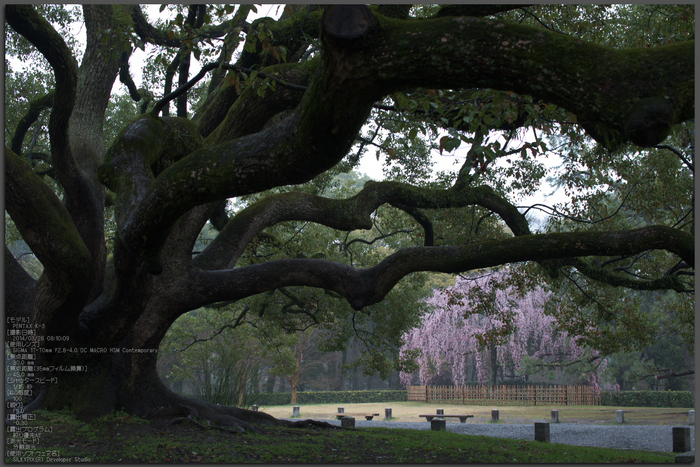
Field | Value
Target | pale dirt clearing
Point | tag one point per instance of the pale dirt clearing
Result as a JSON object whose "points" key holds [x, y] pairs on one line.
{"points": [[410, 411]]}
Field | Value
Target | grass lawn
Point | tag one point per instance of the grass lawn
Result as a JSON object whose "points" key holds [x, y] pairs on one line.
{"points": [[120, 438]]}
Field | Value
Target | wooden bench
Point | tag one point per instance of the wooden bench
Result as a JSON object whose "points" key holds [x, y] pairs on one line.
{"points": [[368, 416], [462, 418]]}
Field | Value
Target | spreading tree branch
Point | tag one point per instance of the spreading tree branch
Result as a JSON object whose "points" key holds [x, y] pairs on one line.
{"points": [[367, 286], [35, 110], [324, 134]]}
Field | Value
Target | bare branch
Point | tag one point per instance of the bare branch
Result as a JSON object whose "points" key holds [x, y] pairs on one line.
{"points": [[213, 66], [569, 363], [673, 374], [222, 329], [666, 282], [689, 164]]}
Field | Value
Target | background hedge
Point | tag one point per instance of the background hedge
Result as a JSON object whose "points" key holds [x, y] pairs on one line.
{"points": [[331, 397], [647, 399]]}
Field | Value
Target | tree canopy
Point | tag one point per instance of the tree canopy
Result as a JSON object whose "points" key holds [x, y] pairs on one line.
{"points": [[112, 195]]}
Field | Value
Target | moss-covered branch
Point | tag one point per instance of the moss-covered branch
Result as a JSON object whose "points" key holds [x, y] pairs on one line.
{"points": [[476, 10], [141, 151], [347, 214], [367, 286], [27, 22], [42, 220], [50, 232], [364, 61], [601, 85], [306, 143]]}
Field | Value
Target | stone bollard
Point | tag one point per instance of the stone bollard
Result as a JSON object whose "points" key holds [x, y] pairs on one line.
{"points": [[295, 411], [387, 413], [620, 414], [341, 409], [441, 411], [255, 408], [438, 424], [681, 439], [686, 458], [542, 432], [347, 422], [555, 416], [691, 417], [494, 415]]}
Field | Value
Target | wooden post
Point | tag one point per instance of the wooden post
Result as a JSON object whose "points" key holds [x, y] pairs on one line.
{"points": [[535, 395]]}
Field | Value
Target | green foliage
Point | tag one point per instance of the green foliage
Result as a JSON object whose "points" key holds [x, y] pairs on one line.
{"points": [[332, 397], [221, 365], [630, 188], [681, 399]]}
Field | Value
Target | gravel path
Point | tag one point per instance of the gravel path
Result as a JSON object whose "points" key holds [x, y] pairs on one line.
{"points": [[636, 437]]}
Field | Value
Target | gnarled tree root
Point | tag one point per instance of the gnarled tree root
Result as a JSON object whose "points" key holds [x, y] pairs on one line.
{"points": [[231, 419]]}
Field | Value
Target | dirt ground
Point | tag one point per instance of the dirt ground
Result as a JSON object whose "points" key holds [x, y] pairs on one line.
{"points": [[410, 411]]}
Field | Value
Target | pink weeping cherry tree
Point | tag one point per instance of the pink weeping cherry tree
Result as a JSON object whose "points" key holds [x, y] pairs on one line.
{"points": [[485, 329]]}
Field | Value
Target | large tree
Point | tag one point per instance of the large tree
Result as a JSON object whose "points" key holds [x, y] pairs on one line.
{"points": [[286, 114]]}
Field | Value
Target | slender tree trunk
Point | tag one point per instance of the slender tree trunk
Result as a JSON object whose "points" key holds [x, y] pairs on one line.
{"points": [[493, 364], [293, 381], [270, 384]]}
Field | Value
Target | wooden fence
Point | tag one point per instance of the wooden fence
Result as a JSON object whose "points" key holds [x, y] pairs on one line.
{"points": [[513, 395]]}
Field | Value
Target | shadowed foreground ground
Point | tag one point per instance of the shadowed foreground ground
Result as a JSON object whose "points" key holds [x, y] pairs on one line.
{"points": [[120, 438]]}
